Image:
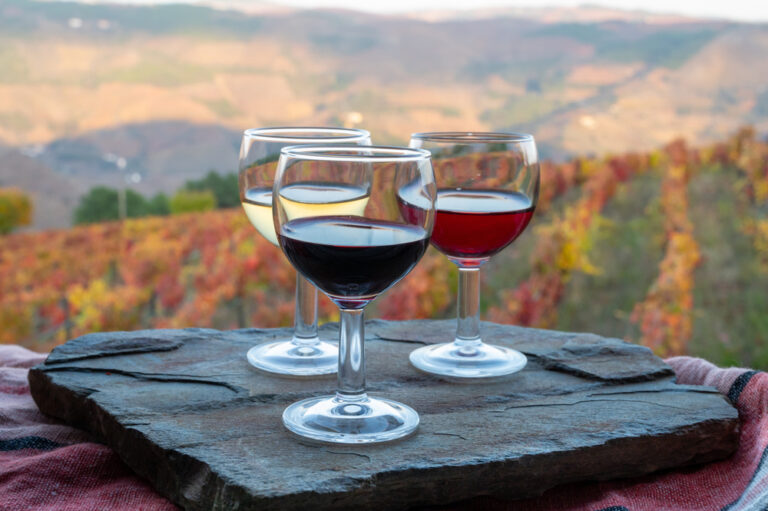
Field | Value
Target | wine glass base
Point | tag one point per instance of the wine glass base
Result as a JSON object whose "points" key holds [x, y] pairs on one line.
{"points": [[457, 361], [329, 419], [286, 358]]}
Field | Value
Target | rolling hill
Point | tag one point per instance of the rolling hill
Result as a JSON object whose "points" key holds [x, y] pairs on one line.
{"points": [[169, 87]]}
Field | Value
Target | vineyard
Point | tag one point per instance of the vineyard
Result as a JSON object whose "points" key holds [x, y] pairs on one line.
{"points": [[668, 249]]}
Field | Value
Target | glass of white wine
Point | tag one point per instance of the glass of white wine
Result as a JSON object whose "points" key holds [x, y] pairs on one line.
{"points": [[302, 354]]}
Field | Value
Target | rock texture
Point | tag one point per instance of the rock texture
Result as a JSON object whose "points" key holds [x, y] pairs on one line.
{"points": [[185, 410]]}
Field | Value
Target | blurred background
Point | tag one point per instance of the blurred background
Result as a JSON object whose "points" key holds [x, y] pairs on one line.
{"points": [[120, 126]]}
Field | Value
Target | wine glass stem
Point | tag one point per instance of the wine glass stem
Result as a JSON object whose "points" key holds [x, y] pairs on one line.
{"points": [[305, 316], [351, 356], [468, 309]]}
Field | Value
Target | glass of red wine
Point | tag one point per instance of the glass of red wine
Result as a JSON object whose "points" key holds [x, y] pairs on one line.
{"points": [[353, 257], [488, 185], [302, 354]]}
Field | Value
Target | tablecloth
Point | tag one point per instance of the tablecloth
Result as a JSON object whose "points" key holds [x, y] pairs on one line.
{"points": [[46, 465]]}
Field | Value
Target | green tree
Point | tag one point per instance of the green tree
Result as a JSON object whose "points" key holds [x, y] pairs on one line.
{"points": [[136, 204], [101, 204], [188, 201], [159, 205], [15, 209], [98, 205], [224, 188]]}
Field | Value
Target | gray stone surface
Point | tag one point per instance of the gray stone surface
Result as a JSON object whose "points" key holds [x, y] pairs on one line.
{"points": [[185, 410]]}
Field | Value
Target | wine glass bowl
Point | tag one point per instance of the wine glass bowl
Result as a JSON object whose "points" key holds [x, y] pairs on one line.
{"points": [[488, 186], [353, 257], [303, 354]]}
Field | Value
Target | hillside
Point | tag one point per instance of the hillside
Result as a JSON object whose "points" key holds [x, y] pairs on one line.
{"points": [[169, 87], [614, 85], [667, 248], [53, 195]]}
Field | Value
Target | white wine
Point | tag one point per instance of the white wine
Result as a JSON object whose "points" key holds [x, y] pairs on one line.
{"points": [[302, 200], [323, 199], [257, 204]]}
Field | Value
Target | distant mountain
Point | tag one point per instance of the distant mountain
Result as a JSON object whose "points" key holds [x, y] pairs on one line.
{"points": [[584, 80], [163, 154], [582, 14], [54, 196]]}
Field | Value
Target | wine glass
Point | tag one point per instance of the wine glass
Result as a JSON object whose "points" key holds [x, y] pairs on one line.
{"points": [[488, 185], [353, 257], [304, 354]]}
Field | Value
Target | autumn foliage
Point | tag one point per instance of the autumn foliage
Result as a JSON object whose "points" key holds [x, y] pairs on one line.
{"points": [[213, 269], [562, 246], [201, 269], [665, 316], [15, 209]]}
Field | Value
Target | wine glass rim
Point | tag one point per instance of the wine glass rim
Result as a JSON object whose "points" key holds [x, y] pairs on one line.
{"points": [[307, 134], [366, 153], [474, 136]]}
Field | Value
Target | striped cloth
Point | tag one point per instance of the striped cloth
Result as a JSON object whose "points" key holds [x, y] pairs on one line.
{"points": [[45, 465], [739, 483]]}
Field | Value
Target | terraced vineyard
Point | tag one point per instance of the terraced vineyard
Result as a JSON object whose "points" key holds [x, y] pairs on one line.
{"points": [[667, 248]]}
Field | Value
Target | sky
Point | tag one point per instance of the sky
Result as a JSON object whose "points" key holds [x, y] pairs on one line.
{"points": [[742, 10]]}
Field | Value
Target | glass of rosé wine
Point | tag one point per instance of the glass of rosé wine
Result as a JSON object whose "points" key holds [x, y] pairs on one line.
{"points": [[353, 256], [303, 354], [487, 188]]}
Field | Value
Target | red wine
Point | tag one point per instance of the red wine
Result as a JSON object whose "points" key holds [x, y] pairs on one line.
{"points": [[474, 224], [415, 206], [352, 259]]}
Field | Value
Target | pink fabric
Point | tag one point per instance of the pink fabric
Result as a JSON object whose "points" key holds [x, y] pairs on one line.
{"points": [[45, 465], [739, 483], [695, 371]]}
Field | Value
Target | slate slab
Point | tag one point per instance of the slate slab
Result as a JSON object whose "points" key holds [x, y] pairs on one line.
{"points": [[185, 410]]}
